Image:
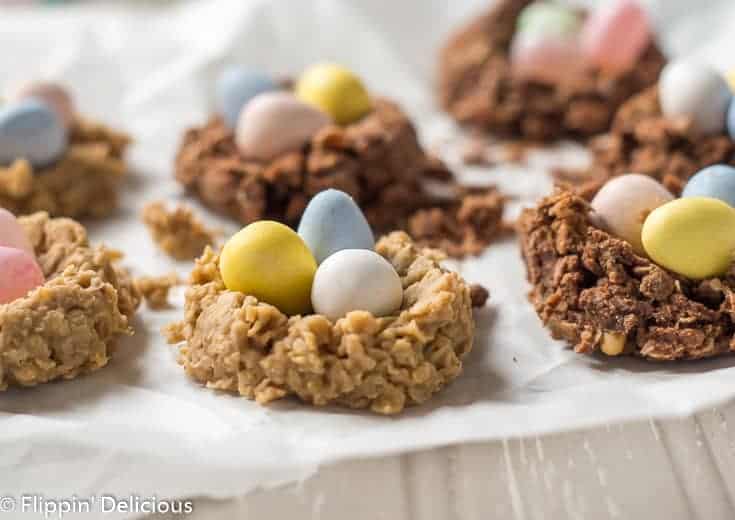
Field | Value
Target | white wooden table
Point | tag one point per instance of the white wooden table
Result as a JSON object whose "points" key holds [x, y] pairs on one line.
{"points": [[672, 469]]}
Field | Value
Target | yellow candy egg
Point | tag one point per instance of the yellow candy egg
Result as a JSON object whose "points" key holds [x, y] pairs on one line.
{"points": [[693, 236], [270, 261], [335, 90]]}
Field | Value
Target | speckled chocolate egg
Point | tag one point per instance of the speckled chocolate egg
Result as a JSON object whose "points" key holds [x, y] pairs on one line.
{"points": [[717, 182], [331, 222], [236, 86], [31, 130], [275, 123], [356, 280], [53, 94], [12, 233], [696, 91], [623, 204], [335, 90]]}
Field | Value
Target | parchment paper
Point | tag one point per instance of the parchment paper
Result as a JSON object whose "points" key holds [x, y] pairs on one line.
{"points": [[140, 426]]}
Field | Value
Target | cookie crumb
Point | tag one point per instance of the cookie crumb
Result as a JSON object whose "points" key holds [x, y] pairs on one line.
{"points": [[155, 289], [478, 295], [179, 233]]}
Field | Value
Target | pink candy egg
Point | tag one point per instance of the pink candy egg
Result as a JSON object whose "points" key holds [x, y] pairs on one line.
{"points": [[615, 36], [546, 58], [275, 123], [53, 94], [12, 233], [19, 274]]}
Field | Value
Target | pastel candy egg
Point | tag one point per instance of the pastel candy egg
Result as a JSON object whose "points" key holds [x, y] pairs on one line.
{"points": [[53, 94], [269, 261], [731, 119], [623, 204], [356, 280], [332, 222], [19, 274], [335, 90], [691, 236], [545, 58], [275, 123], [615, 36], [697, 91], [236, 86], [548, 18], [730, 78], [716, 182], [12, 233], [33, 131]]}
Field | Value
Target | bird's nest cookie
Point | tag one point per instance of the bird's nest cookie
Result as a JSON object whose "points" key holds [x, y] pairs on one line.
{"points": [[643, 141], [69, 325], [477, 86], [378, 160], [235, 343], [83, 183], [590, 289]]}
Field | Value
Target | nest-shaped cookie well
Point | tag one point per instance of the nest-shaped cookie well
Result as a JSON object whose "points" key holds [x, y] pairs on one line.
{"points": [[478, 88], [83, 183], [377, 160], [235, 343], [69, 325], [643, 141], [590, 289]]}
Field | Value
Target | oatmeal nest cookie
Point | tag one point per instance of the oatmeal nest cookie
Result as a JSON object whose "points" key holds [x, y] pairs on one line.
{"points": [[590, 289], [235, 343], [82, 183], [643, 141], [69, 325], [477, 87], [377, 160]]}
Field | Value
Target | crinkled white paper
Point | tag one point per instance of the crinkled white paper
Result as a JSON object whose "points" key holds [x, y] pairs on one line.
{"points": [[139, 425]]}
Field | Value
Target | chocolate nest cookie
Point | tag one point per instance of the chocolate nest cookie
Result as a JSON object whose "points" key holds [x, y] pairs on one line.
{"points": [[643, 141], [477, 87], [83, 183], [592, 290], [377, 160], [235, 343], [69, 325]]}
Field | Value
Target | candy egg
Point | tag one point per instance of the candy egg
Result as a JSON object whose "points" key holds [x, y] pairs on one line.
{"points": [[615, 36], [53, 94], [275, 123], [33, 131], [356, 280], [730, 78], [696, 91], [731, 119], [270, 261], [691, 236], [12, 233], [332, 222], [716, 182], [335, 90], [235, 87], [546, 58], [19, 274], [548, 18], [623, 204]]}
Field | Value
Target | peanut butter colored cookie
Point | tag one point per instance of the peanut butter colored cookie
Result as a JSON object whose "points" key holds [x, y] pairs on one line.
{"points": [[68, 326], [233, 342]]}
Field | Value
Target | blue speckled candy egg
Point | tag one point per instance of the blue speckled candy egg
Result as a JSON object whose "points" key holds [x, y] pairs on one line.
{"points": [[715, 182], [31, 130], [235, 87], [332, 222]]}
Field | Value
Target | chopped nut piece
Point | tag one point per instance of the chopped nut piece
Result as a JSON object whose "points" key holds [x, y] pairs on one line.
{"points": [[179, 232], [613, 343]]}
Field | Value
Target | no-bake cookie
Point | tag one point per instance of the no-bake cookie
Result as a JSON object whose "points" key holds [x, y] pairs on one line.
{"points": [[478, 86], [376, 158], [178, 232], [233, 342], [594, 291], [69, 325]]}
